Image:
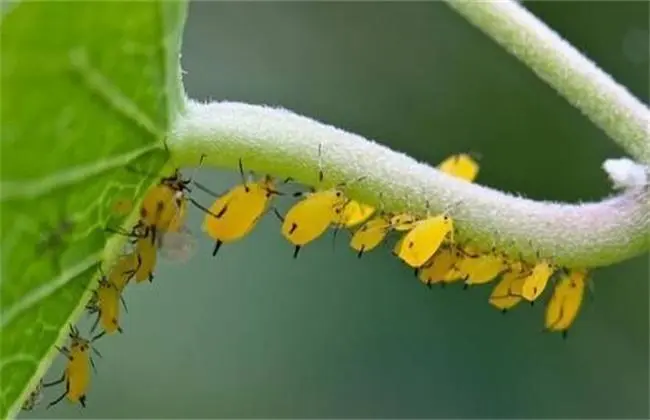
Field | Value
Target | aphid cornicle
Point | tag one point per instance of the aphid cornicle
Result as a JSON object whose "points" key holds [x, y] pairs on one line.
{"points": [[420, 243], [77, 372], [460, 166], [565, 302], [234, 214], [310, 217]]}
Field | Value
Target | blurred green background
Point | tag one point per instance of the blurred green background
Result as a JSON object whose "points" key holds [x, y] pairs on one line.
{"points": [[253, 333]]}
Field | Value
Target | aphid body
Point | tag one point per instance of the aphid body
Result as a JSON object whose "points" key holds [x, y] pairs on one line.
{"points": [[460, 166], [420, 243], [536, 281], [566, 300]]}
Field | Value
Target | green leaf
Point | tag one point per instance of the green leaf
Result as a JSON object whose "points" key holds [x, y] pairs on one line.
{"points": [[87, 88]]}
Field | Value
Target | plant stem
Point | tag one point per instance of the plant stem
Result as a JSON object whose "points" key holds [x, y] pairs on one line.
{"points": [[281, 143], [608, 104]]}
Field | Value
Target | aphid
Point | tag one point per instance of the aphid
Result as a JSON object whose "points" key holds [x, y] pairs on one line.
{"points": [[107, 306], [77, 372], [164, 201], [565, 303], [123, 271], [481, 268], [420, 243], [507, 293], [234, 214], [536, 281], [34, 397], [460, 166], [145, 250], [370, 234], [309, 218], [403, 222], [436, 269], [453, 275]]}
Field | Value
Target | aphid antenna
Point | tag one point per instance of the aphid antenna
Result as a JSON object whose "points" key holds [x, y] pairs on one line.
{"points": [[207, 190], [191, 178], [244, 179]]}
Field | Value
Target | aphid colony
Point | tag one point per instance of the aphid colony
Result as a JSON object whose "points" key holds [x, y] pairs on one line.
{"points": [[427, 245]]}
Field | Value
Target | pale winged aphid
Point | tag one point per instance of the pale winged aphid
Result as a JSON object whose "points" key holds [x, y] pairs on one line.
{"points": [[77, 372], [34, 398], [565, 302], [419, 244], [310, 217], [460, 166], [507, 293], [234, 214]]}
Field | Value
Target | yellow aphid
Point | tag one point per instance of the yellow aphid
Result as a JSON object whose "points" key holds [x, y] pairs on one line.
{"points": [[77, 372], [234, 214], [565, 303], [453, 275], [481, 268], [370, 235], [436, 269], [146, 253], [536, 281], [123, 271], [107, 307], [460, 166], [507, 293], [354, 213], [309, 218], [421, 242]]}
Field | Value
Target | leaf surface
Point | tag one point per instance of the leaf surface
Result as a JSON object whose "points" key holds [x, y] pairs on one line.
{"points": [[87, 88]]}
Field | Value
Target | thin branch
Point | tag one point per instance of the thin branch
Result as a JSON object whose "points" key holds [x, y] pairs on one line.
{"points": [[608, 104], [281, 143]]}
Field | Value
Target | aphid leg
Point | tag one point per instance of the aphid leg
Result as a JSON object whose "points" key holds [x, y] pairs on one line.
{"points": [[96, 351], [207, 190], [64, 351], [336, 231], [94, 327], [287, 180], [82, 401], [92, 363], [98, 336], [150, 277], [217, 245], [295, 251], [243, 176], [58, 400], [206, 210], [58, 381], [123, 303], [278, 215], [120, 330]]}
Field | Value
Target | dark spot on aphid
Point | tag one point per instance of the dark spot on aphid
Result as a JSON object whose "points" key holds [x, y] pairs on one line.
{"points": [[338, 194], [294, 226], [411, 244], [446, 218]]}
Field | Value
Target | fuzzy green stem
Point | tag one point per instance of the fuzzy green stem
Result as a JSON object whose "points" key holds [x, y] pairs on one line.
{"points": [[282, 143], [605, 102]]}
